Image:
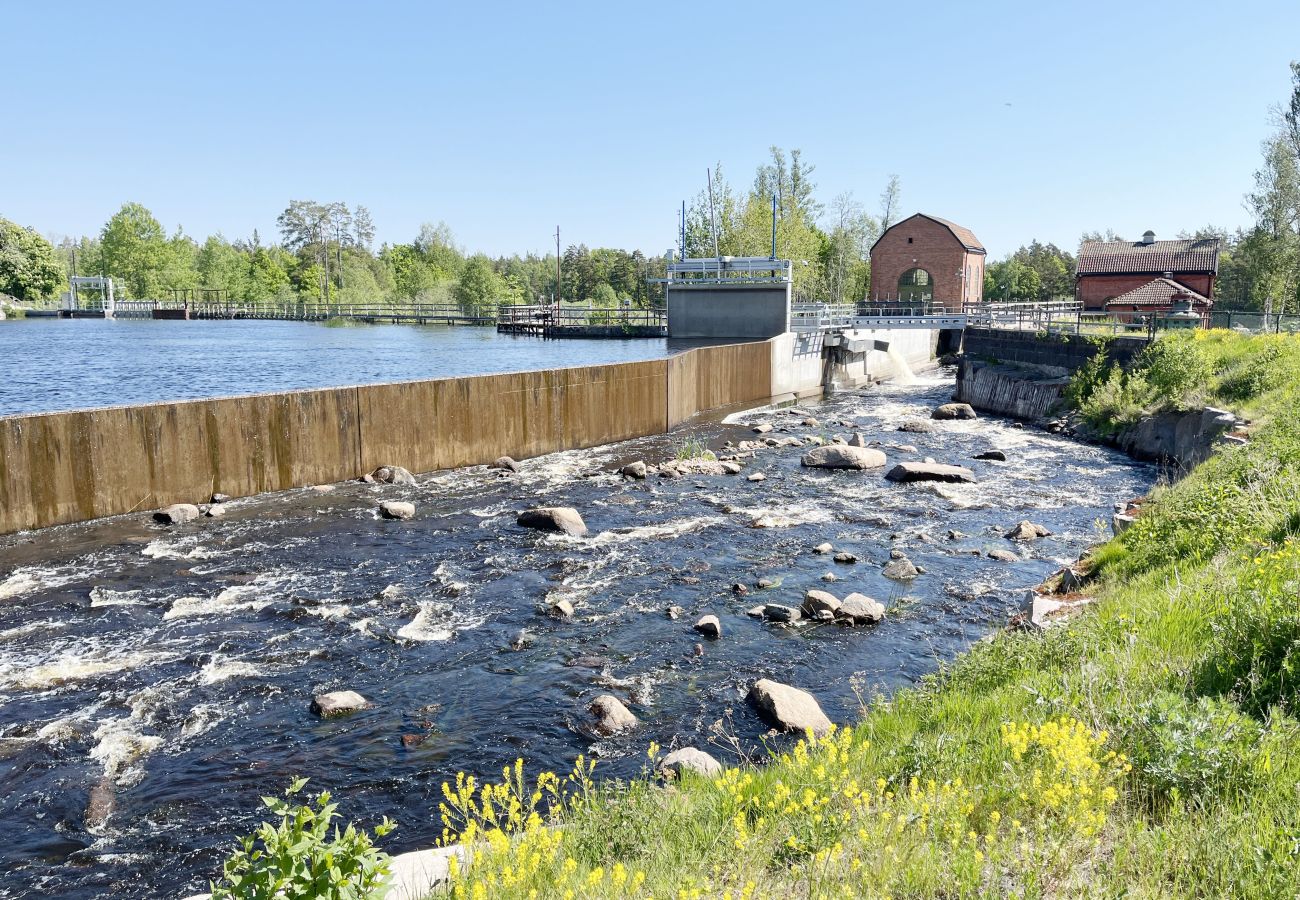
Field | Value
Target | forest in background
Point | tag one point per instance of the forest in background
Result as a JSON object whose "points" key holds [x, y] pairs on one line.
{"points": [[325, 251]]}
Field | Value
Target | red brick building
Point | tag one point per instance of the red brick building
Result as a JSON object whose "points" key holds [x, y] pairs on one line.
{"points": [[927, 258], [1108, 269], [1157, 298]]}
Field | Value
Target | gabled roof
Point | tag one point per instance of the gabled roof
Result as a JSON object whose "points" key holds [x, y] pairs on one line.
{"points": [[1125, 258], [1157, 292], [964, 235]]}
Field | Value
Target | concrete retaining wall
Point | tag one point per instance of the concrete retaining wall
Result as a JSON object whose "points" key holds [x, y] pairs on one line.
{"points": [[1008, 391], [65, 467], [1063, 352]]}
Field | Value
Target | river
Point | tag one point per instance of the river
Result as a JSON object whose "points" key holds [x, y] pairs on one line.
{"points": [[170, 670], [57, 364]]}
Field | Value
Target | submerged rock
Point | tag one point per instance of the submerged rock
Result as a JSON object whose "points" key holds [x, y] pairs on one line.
{"points": [[505, 462], [1027, 531], [788, 708], [553, 518], [859, 609], [840, 456], [611, 715], [954, 411], [930, 471], [690, 759], [709, 626], [521, 640], [392, 475], [561, 609], [177, 514], [589, 662], [397, 509], [338, 703]]}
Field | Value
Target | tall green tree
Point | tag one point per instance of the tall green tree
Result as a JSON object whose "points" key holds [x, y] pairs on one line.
{"points": [[134, 250], [29, 270], [479, 287]]}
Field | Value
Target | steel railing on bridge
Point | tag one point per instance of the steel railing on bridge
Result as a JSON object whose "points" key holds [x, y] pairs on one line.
{"points": [[873, 315]]}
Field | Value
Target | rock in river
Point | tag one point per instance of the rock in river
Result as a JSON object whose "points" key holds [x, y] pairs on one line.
{"points": [[994, 455], [611, 715], [562, 609], [859, 609], [505, 462], [1002, 555], [338, 703], [689, 758], [776, 612], [818, 602], [709, 626], [553, 518], [900, 569], [397, 509], [635, 470], [928, 471], [392, 475], [177, 514], [1027, 531], [788, 707], [954, 411], [826, 547], [840, 456]]}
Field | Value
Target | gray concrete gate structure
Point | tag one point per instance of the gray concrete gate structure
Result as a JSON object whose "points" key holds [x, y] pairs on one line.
{"points": [[728, 297]]}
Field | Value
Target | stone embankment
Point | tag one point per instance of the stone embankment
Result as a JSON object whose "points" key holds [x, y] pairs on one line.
{"points": [[1036, 394]]}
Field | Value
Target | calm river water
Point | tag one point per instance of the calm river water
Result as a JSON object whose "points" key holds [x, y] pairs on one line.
{"points": [[52, 364], [164, 675]]}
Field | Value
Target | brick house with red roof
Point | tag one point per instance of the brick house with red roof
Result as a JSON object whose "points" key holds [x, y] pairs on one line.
{"points": [[925, 258], [1157, 297], [1109, 270]]}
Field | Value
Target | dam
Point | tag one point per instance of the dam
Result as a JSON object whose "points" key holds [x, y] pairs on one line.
{"points": [[141, 665]]}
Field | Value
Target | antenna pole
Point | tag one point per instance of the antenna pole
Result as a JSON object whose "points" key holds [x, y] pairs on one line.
{"points": [[774, 226], [557, 265], [713, 221], [682, 246]]}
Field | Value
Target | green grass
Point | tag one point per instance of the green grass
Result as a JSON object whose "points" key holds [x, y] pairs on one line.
{"points": [[1150, 748]]}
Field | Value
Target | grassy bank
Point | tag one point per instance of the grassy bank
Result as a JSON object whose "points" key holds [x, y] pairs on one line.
{"points": [[1148, 749]]}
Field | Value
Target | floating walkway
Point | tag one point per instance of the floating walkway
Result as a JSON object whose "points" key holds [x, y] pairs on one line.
{"points": [[583, 321]]}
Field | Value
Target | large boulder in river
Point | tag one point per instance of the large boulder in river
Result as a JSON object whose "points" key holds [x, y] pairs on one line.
{"points": [[859, 609], [635, 470], [690, 759], [915, 426], [397, 509], [505, 462], [840, 456], [954, 411], [177, 514], [611, 715], [820, 604], [1027, 531], [900, 569], [788, 708], [929, 471], [392, 475], [338, 703], [553, 518], [993, 455], [709, 626]]}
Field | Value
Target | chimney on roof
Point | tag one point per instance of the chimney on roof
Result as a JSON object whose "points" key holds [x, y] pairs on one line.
{"points": [[1149, 237]]}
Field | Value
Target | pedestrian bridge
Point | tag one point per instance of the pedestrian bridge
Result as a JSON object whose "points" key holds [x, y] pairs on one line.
{"points": [[930, 315]]}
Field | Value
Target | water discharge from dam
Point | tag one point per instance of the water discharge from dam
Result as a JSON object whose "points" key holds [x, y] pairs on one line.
{"points": [[154, 683]]}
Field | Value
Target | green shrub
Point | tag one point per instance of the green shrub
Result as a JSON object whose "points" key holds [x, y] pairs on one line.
{"points": [[1196, 749], [299, 859], [1174, 366], [694, 448], [1118, 401]]}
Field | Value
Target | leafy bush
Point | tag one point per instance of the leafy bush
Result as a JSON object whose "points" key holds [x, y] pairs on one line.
{"points": [[1118, 401], [1174, 366], [1192, 748], [299, 859], [694, 448]]}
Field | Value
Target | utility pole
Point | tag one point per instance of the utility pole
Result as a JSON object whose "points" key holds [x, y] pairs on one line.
{"points": [[557, 265], [713, 221]]}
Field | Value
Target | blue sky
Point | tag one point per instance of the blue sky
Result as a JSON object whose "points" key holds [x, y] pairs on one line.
{"points": [[1020, 120]]}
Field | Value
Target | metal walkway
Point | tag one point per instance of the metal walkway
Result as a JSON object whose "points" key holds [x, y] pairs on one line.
{"points": [[1043, 316]]}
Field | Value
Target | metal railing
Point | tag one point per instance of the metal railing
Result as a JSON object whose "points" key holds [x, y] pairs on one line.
{"points": [[556, 317], [303, 311], [728, 270], [823, 316]]}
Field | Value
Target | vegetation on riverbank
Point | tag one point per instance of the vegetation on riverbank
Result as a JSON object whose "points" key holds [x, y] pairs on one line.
{"points": [[1148, 748]]}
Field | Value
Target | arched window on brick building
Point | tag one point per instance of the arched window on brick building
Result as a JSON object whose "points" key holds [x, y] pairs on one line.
{"points": [[915, 285]]}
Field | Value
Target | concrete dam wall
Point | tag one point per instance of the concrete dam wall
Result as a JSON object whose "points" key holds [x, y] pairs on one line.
{"points": [[58, 468]]}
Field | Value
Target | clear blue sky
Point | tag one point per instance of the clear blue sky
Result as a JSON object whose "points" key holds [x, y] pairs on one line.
{"points": [[1020, 120]]}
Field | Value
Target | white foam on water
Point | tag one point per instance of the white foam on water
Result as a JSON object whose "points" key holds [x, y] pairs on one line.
{"points": [[74, 667], [424, 627], [19, 631], [181, 549], [219, 668], [660, 531], [102, 596], [22, 581], [120, 745], [328, 610], [202, 719]]}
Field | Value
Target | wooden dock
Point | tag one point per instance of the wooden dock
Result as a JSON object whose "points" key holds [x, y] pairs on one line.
{"points": [[408, 314]]}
